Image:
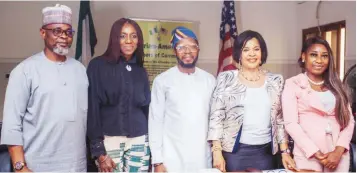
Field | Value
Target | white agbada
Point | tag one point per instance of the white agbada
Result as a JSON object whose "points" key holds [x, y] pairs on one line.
{"points": [[178, 120]]}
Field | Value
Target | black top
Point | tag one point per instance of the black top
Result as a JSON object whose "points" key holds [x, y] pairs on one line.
{"points": [[118, 101]]}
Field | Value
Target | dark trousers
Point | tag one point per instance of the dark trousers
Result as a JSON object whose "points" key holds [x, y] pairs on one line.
{"points": [[249, 156]]}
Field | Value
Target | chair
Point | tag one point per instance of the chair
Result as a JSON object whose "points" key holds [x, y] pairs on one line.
{"points": [[352, 157], [5, 160], [350, 81]]}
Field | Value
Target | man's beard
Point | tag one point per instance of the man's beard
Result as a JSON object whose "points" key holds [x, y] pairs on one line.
{"points": [[191, 65], [60, 50]]}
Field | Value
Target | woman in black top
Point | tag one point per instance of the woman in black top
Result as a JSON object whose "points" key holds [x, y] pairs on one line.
{"points": [[119, 96]]}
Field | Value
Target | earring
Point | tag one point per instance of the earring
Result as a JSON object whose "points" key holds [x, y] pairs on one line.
{"points": [[303, 60]]}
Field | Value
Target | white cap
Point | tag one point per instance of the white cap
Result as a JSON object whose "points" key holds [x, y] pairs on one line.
{"points": [[57, 14]]}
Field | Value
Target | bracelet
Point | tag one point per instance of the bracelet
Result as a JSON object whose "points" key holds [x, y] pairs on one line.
{"points": [[216, 148], [106, 157]]}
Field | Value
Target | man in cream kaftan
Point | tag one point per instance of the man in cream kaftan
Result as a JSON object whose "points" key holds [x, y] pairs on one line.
{"points": [[179, 110]]}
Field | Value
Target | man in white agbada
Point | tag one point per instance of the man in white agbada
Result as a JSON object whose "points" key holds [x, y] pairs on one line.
{"points": [[179, 110], [45, 110]]}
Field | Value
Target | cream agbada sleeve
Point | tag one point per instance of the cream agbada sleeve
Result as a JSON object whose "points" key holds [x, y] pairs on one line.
{"points": [[156, 120]]}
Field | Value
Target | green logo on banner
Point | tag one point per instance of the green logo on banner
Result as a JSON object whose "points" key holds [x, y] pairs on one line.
{"points": [[157, 32]]}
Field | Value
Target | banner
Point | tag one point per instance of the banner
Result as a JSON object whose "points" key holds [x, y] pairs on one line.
{"points": [[159, 55]]}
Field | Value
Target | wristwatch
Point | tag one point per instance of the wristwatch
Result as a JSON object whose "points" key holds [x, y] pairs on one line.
{"points": [[287, 151], [19, 165]]}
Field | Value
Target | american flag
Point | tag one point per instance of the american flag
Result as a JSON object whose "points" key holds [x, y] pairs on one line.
{"points": [[228, 33]]}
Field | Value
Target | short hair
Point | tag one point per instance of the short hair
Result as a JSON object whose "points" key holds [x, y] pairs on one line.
{"points": [[242, 39]]}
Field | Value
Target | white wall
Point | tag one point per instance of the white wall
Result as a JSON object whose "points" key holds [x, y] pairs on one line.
{"points": [[330, 11], [20, 23], [276, 21]]}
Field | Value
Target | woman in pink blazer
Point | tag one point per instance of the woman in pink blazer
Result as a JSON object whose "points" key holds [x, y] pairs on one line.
{"points": [[316, 111]]}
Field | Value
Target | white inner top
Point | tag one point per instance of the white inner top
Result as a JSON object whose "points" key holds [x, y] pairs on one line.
{"points": [[256, 123]]}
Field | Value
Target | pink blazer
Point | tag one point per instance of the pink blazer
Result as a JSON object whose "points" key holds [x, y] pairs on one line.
{"points": [[306, 119]]}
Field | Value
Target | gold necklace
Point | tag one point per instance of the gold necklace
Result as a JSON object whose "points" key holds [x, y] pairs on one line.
{"points": [[251, 80]]}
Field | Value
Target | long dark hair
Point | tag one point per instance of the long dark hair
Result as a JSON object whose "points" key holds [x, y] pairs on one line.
{"points": [[332, 81], [113, 52]]}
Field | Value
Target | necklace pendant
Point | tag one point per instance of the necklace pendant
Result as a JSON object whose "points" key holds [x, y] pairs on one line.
{"points": [[128, 67], [328, 128]]}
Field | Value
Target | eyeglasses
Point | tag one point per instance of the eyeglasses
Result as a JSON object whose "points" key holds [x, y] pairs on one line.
{"points": [[58, 32], [191, 48]]}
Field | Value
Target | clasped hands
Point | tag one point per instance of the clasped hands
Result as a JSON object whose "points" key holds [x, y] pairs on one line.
{"points": [[332, 159]]}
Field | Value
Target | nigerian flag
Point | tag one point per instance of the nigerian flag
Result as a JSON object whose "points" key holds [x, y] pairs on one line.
{"points": [[86, 37]]}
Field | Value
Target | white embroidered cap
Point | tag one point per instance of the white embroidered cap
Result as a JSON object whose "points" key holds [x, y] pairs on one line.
{"points": [[57, 14]]}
